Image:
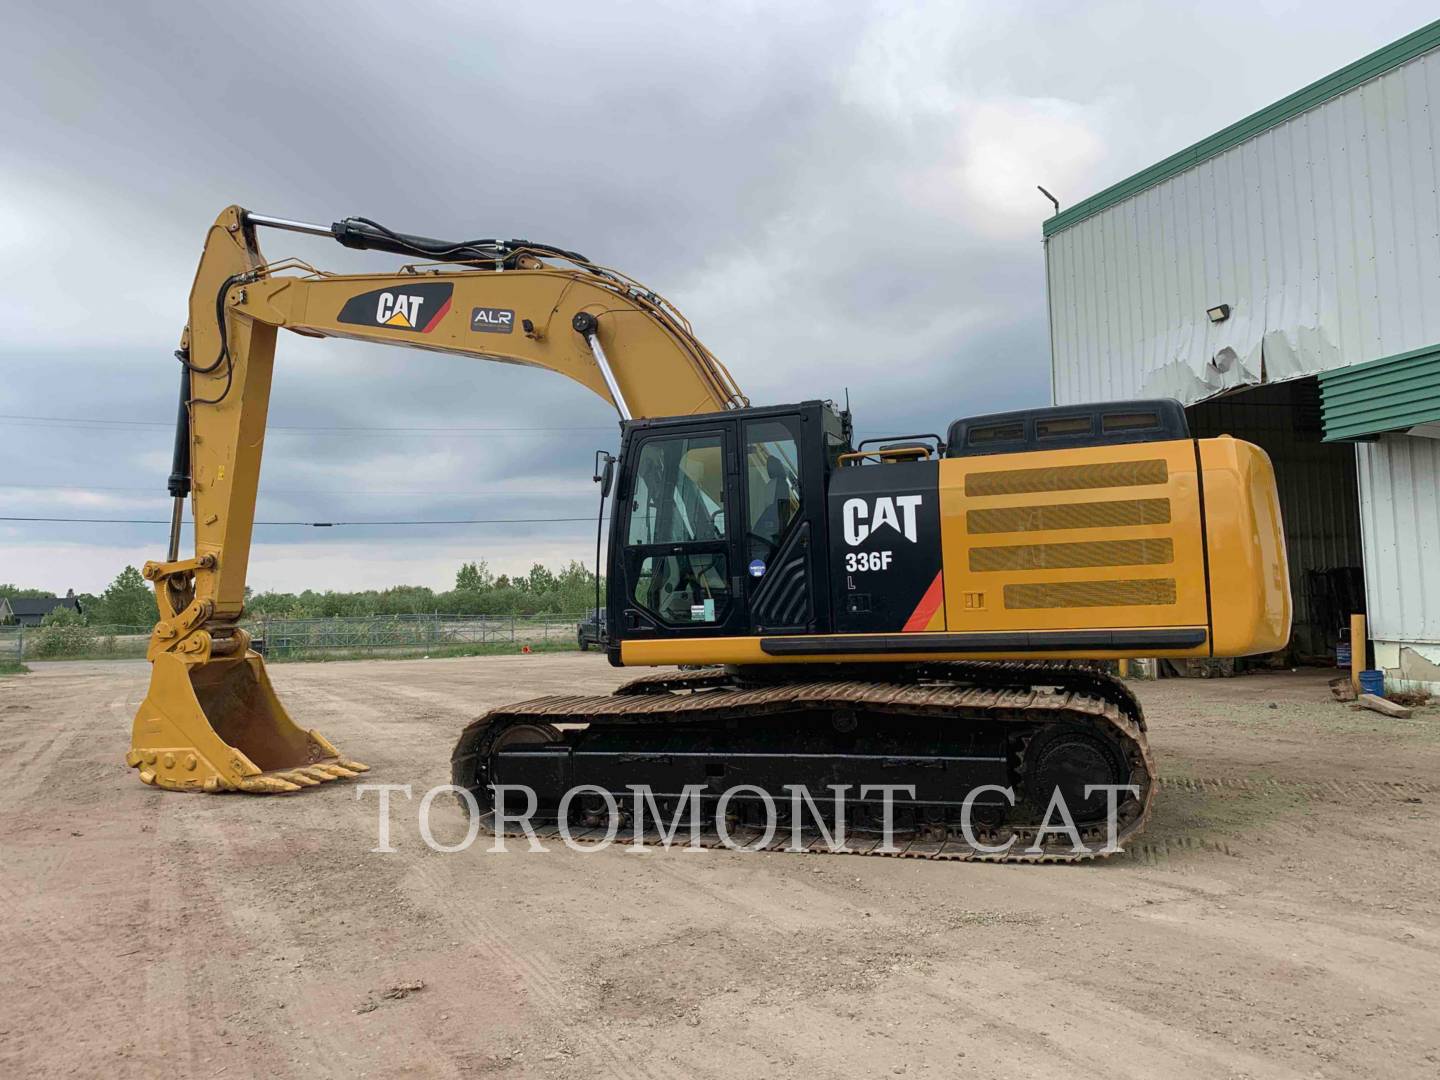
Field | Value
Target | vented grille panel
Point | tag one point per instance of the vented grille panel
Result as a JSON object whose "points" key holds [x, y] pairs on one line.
{"points": [[1057, 594], [783, 600], [1064, 556], [1095, 515], [1109, 474]]}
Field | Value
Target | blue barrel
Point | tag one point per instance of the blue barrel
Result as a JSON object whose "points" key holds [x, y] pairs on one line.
{"points": [[1372, 682]]}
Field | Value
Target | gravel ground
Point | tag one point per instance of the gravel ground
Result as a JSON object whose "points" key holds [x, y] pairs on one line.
{"points": [[1279, 919]]}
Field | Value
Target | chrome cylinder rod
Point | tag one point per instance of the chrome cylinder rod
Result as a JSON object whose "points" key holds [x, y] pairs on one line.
{"points": [[177, 514], [288, 225], [587, 327]]}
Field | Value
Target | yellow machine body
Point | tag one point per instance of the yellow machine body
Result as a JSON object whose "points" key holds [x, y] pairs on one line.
{"points": [[1182, 535]]}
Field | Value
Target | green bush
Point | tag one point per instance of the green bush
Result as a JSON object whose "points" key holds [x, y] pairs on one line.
{"points": [[62, 633]]}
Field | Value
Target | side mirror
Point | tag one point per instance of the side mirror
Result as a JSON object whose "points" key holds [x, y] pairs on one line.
{"points": [[604, 471]]}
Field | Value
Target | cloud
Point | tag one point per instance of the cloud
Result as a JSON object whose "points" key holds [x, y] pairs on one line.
{"points": [[841, 197]]}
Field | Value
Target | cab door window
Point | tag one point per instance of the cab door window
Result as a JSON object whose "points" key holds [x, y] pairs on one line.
{"points": [[772, 485], [679, 563], [679, 491], [684, 588]]}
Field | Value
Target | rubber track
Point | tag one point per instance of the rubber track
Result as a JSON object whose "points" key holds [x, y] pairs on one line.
{"points": [[994, 692]]}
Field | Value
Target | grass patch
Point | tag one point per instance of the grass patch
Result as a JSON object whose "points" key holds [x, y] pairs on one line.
{"points": [[406, 652], [13, 667]]}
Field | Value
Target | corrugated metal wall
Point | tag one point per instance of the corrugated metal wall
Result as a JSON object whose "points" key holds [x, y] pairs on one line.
{"points": [[1317, 485], [1320, 233], [1400, 514]]}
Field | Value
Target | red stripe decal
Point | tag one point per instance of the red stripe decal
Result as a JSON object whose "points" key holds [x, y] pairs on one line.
{"points": [[436, 317], [929, 604]]}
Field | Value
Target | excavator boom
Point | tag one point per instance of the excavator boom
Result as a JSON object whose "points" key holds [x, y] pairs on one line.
{"points": [[211, 720]]}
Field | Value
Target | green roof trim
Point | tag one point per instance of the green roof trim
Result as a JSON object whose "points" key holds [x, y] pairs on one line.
{"points": [[1392, 394], [1317, 93]]}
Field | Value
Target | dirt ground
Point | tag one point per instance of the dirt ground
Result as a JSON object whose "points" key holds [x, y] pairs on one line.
{"points": [[1278, 920]]}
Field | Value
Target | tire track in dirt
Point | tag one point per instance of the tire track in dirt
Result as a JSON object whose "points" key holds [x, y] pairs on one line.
{"points": [[52, 946], [996, 990], [551, 992], [367, 710], [36, 763], [179, 1014], [266, 932], [1334, 790]]}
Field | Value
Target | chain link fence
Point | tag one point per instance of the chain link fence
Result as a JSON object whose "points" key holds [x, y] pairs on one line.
{"points": [[285, 638], [415, 633], [73, 642]]}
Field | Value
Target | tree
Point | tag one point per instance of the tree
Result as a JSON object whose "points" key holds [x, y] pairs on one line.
{"points": [[12, 592], [474, 577], [539, 581], [127, 602]]}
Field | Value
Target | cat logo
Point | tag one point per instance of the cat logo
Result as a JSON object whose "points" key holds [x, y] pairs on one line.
{"points": [[417, 308], [398, 310], [898, 513]]}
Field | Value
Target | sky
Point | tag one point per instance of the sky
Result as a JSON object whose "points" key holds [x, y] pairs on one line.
{"points": [[840, 196]]}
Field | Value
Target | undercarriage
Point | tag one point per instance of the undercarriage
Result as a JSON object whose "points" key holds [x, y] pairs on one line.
{"points": [[940, 760]]}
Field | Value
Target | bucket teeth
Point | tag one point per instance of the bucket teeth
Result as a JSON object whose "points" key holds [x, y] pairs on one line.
{"points": [[353, 766], [299, 776], [337, 772], [266, 785], [317, 772]]}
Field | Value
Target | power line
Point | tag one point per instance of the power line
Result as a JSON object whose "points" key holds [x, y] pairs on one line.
{"points": [[307, 524], [102, 424], [154, 488]]}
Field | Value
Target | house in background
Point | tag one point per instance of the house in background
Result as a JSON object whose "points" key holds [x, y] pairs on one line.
{"points": [[30, 612]]}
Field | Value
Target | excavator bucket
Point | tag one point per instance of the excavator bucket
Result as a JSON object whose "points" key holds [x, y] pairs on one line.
{"points": [[218, 726]]}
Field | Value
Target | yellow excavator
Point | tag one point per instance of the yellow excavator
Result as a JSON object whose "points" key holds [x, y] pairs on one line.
{"points": [[917, 615]]}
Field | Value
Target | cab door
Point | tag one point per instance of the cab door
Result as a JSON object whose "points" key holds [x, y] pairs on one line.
{"points": [[781, 492], [678, 504]]}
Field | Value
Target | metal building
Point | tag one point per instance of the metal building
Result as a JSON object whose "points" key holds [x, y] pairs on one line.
{"points": [[1281, 278]]}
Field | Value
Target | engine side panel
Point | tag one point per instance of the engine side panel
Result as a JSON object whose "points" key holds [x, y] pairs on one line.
{"points": [[1097, 537]]}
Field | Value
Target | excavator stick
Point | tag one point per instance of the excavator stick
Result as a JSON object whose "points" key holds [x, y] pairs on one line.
{"points": [[211, 721], [218, 726]]}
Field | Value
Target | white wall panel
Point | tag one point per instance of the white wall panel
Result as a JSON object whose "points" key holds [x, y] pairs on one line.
{"points": [[1322, 234], [1400, 524]]}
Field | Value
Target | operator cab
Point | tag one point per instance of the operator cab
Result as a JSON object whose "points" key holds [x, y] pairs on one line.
{"points": [[714, 523]]}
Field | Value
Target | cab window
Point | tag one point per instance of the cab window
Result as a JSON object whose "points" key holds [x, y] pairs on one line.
{"points": [[772, 484], [679, 491], [678, 503], [684, 589]]}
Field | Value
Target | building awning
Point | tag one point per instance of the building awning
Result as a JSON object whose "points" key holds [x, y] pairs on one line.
{"points": [[1395, 393]]}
